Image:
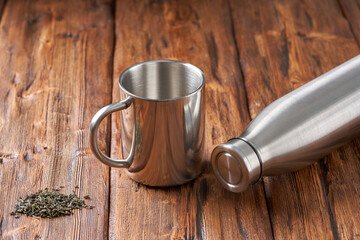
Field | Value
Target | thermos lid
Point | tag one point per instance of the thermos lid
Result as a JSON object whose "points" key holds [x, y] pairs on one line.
{"points": [[236, 165]]}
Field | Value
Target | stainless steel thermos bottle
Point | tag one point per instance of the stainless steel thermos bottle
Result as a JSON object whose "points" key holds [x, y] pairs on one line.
{"points": [[295, 130]]}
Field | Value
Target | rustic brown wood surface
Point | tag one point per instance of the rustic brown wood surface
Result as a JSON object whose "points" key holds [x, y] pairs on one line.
{"points": [[60, 62], [351, 10], [56, 62], [2, 3]]}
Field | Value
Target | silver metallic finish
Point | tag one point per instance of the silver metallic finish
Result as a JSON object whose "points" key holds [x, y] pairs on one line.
{"points": [[236, 164], [299, 128], [94, 125], [162, 130]]}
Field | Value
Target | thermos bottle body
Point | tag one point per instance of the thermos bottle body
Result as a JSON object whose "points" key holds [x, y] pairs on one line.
{"points": [[295, 130]]}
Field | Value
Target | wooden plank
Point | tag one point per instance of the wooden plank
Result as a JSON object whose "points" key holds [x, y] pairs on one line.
{"points": [[55, 73], [2, 5], [284, 44], [199, 32], [351, 10], [347, 179]]}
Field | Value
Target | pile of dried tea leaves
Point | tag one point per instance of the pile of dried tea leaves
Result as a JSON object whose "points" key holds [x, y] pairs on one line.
{"points": [[49, 204]]}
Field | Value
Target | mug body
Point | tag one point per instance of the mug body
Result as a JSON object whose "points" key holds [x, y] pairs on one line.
{"points": [[163, 129]]}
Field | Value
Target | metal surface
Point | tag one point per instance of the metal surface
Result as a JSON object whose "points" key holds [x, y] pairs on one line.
{"points": [[299, 128], [236, 164], [162, 130], [94, 125]]}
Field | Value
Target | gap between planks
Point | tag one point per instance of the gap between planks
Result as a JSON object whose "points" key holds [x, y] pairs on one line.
{"points": [[247, 105]]}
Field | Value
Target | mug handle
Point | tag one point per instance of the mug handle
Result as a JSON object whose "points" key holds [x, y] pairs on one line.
{"points": [[94, 125]]}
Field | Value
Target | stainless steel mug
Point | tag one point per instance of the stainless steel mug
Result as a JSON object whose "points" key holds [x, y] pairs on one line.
{"points": [[162, 125], [295, 130]]}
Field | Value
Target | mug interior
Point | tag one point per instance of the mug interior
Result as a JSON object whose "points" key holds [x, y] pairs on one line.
{"points": [[161, 80]]}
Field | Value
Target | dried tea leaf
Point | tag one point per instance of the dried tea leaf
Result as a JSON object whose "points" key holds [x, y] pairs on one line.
{"points": [[48, 204]]}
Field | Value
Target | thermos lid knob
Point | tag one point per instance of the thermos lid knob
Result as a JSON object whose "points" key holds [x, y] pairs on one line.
{"points": [[236, 165]]}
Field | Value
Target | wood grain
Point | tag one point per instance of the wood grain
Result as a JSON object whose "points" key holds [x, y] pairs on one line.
{"points": [[351, 10], [199, 32], [60, 62], [343, 188], [284, 44], [2, 5], [55, 73]]}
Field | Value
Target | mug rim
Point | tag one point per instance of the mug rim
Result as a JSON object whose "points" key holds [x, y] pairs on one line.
{"points": [[163, 100]]}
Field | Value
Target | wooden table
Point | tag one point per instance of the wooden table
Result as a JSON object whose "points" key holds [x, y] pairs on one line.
{"points": [[60, 62]]}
